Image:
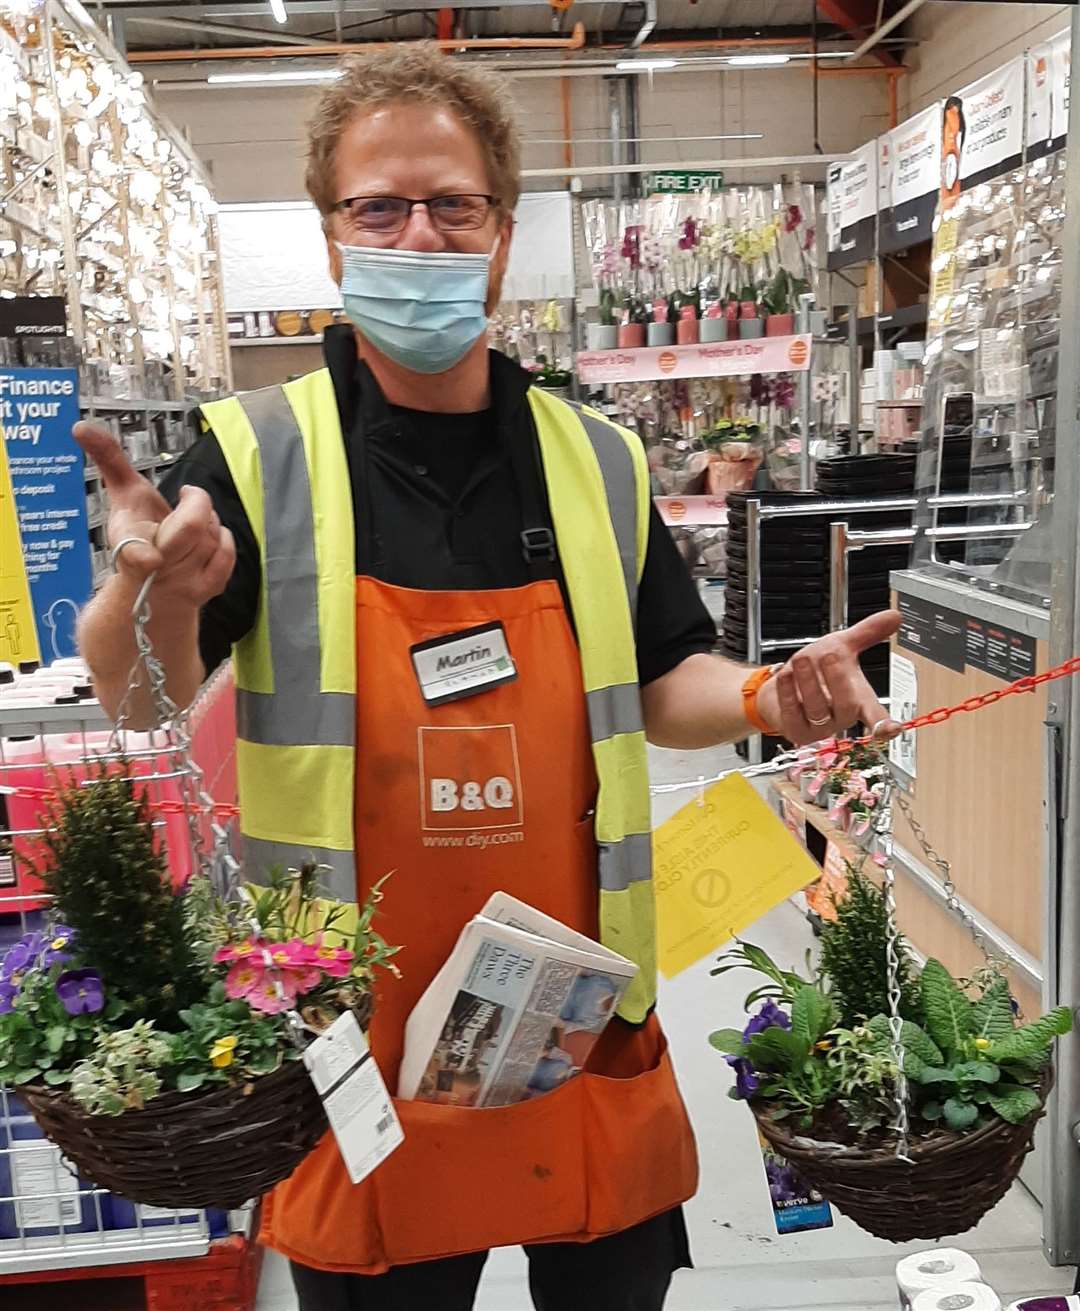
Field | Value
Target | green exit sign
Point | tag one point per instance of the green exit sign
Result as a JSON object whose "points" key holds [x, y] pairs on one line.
{"points": [[683, 180]]}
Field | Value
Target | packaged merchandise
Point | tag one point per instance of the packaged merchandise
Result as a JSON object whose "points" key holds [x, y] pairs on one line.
{"points": [[1056, 1303]]}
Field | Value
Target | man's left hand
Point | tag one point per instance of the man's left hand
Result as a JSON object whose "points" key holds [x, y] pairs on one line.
{"points": [[822, 692]]}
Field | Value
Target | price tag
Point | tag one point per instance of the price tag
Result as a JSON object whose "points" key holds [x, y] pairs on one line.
{"points": [[795, 819], [352, 1090], [719, 865]]}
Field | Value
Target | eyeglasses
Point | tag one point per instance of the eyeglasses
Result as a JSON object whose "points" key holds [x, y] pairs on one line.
{"points": [[389, 214]]}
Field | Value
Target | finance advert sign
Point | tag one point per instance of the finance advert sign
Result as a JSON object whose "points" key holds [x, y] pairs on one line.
{"points": [[38, 408]]}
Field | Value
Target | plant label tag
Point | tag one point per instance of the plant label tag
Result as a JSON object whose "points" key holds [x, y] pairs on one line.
{"points": [[719, 864], [463, 664], [351, 1088], [796, 1206]]}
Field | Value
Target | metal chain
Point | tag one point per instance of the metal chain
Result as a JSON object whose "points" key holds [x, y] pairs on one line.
{"points": [[219, 865], [952, 896], [883, 826]]}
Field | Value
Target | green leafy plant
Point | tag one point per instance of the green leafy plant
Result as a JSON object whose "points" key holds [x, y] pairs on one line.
{"points": [[781, 295], [123, 1071], [783, 985], [99, 860], [971, 1060], [788, 1061], [865, 1074], [853, 955], [40, 1040]]}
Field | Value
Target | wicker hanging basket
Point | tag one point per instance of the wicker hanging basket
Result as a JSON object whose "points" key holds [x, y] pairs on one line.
{"points": [[953, 1180], [215, 1149]]}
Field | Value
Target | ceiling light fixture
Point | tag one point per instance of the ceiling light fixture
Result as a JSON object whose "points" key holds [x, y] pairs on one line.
{"points": [[277, 8], [644, 65], [304, 75], [757, 61]]}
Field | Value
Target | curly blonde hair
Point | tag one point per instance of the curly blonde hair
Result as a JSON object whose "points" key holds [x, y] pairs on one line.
{"points": [[412, 73]]}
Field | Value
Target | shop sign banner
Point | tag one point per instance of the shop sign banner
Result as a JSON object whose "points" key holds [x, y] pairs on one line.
{"points": [[683, 181], [38, 408], [696, 510], [834, 204], [723, 359], [909, 178], [18, 632], [903, 705], [33, 316], [983, 128], [858, 207], [1048, 95]]}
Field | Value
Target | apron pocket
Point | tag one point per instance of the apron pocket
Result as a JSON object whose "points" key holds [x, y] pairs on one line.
{"points": [[640, 1150], [467, 1179]]}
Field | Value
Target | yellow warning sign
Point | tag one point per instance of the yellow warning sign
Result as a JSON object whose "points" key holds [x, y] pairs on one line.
{"points": [[18, 632], [719, 864]]}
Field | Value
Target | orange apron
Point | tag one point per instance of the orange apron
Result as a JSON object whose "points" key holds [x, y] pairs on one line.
{"points": [[611, 1147]]}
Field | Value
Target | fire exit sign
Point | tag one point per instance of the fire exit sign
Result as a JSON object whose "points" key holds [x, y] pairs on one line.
{"points": [[683, 181]]}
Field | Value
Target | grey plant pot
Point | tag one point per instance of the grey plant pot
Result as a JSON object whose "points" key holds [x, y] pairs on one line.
{"points": [[751, 328], [602, 336], [659, 334], [714, 329]]}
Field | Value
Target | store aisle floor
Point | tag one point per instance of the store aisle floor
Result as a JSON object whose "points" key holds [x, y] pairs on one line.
{"points": [[742, 1265]]}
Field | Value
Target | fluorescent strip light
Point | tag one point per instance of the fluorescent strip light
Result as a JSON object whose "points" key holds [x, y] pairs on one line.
{"points": [[644, 65], [277, 8], [757, 61], [306, 75]]}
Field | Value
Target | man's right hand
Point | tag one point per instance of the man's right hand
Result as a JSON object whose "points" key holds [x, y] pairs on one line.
{"points": [[189, 550]]}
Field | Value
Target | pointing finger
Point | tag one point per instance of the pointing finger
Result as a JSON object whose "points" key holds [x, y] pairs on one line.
{"points": [[870, 632]]}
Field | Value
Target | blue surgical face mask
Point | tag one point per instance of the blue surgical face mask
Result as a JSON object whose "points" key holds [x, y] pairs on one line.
{"points": [[424, 309]]}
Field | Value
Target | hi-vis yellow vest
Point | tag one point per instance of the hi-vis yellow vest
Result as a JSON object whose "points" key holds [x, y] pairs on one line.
{"points": [[296, 669]]}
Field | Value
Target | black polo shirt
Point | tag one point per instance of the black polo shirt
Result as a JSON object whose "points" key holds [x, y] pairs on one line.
{"points": [[438, 504]]}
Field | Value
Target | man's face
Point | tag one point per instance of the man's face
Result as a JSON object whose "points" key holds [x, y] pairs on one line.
{"points": [[419, 151]]}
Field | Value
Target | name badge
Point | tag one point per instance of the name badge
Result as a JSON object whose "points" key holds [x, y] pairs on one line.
{"points": [[463, 664]]}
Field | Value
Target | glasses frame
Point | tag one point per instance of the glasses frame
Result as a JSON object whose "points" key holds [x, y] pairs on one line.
{"points": [[342, 207]]}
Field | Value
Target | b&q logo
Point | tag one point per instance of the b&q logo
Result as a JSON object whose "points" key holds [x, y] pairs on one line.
{"points": [[469, 778], [798, 352], [676, 510], [1040, 71], [667, 361]]}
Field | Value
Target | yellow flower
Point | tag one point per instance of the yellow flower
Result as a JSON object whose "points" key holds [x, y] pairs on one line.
{"points": [[982, 1043], [221, 1054]]}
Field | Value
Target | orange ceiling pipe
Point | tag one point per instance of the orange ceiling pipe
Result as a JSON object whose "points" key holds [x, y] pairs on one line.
{"points": [[575, 41], [706, 43]]}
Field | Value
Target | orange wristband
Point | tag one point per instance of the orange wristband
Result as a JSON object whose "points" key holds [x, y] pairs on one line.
{"points": [[750, 690]]}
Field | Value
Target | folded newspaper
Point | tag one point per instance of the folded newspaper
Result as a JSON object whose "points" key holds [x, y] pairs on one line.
{"points": [[514, 1012]]}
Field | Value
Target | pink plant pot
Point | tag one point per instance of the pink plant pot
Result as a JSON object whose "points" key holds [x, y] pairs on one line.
{"points": [[780, 325], [631, 335], [688, 331]]}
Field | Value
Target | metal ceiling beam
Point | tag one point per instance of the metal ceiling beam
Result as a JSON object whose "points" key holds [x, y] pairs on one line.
{"points": [[858, 17], [191, 25], [648, 23]]}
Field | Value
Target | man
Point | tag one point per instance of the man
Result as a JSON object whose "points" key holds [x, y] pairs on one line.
{"points": [[453, 613]]}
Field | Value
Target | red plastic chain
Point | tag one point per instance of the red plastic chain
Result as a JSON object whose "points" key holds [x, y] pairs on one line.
{"points": [[225, 810], [944, 713]]}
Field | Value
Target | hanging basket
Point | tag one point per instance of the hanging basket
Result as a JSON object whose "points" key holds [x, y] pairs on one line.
{"points": [[219, 1149], [952, 1182]]}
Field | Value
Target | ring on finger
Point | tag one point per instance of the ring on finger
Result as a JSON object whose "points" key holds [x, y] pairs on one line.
{"points": [[114, 555], [818, 723]]}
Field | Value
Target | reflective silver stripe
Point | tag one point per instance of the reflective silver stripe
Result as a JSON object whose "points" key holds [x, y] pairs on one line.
{"points": [[615, 709], [620, 488], [339, 881], [288, 718], [625, 862], [297, 713]]}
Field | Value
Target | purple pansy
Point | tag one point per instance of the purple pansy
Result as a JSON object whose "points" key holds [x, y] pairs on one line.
{"points": [[770, 1016], [8, 993], [81, 991], [22, 956], [57, 943]]}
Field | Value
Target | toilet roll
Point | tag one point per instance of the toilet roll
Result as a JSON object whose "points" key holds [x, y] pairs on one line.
{"points": [[927, 1270], [957, 1297]]}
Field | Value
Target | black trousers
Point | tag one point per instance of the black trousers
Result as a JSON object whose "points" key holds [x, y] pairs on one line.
{"points": [[630, 1271]]}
